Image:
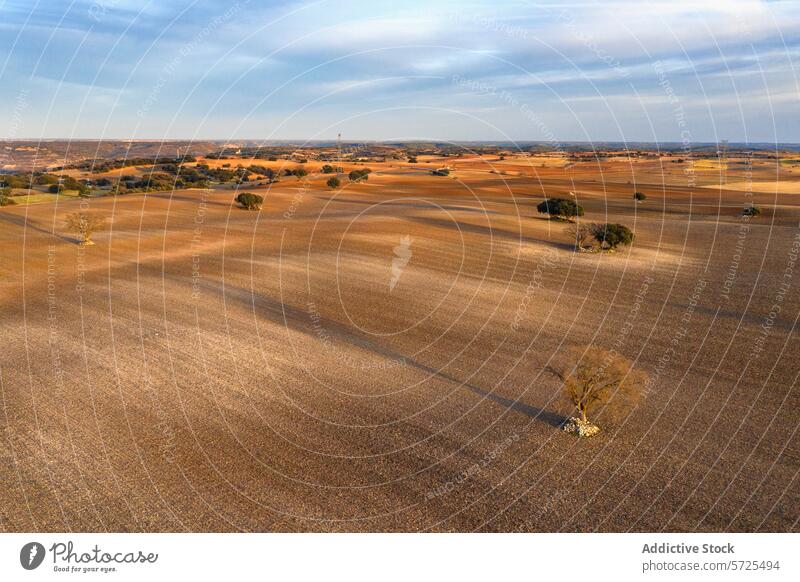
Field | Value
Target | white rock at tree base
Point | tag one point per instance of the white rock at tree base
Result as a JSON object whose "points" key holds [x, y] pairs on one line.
{"points": [[580, 427]]}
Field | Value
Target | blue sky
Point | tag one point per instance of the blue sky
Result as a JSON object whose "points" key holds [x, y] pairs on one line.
{"points": [[467, 70]]}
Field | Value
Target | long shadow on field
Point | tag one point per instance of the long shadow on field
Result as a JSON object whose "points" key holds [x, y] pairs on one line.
{"points": [[300, 320], [417, 206], [21, 221], [187, 198], [486, 231]]}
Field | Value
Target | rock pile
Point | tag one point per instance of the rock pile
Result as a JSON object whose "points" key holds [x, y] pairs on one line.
{"points": [[580, 427]]}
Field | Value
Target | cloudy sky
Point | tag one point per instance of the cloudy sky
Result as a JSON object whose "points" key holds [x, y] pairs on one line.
{"points": [[465, 70]]}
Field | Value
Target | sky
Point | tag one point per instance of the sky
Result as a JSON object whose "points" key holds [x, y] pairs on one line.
{"points": [[699, 71]]}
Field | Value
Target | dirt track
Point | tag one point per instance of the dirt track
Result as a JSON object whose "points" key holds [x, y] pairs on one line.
{"points": [[206, 368]]}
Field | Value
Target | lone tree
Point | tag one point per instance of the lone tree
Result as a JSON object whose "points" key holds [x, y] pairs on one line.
{"points": [[560, 208], [639, 196], [250, 201], [594, 378], [583, 235], [85, 225], [612, 235], [327, 169], [333, 183]]}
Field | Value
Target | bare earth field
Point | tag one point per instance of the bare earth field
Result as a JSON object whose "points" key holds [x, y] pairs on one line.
{"points": [[207, 368]]}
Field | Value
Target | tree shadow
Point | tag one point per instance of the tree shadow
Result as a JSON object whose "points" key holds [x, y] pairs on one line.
{"points": [[21, 221], [300, 320], [489, 232]]}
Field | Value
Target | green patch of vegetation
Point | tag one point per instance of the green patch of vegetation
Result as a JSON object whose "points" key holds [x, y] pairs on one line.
{"points": [[751, 210], [250, 201], [359, 175], [612, 235], [560, 208]]}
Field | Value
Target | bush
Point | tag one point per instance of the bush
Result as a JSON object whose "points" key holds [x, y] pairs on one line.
{"points": [[751, 210], [327, 169], [54, 188], [333, 183], [441, 172], [639, 196], [5, 198], [300, 172], [412, 160], [359, 175], [250, 201], [560, 208], [613, 235]]}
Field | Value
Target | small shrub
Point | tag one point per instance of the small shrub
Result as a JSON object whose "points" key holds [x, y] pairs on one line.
{"points": [[639, 196], [327, 169], [333, 183], [751, 210], [250, 201]]}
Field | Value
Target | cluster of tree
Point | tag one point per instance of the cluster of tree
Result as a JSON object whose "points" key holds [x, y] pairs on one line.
{"points": [[298, 172], [560, 208], [99, 167], [255, 153], [153, 182], [201, 175], [333, 183], [16, 180], [441, 172], [328, 169], [67, 183], [268, 173], [359, 175], [56, 183], [594, 236], [250, 201]]}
